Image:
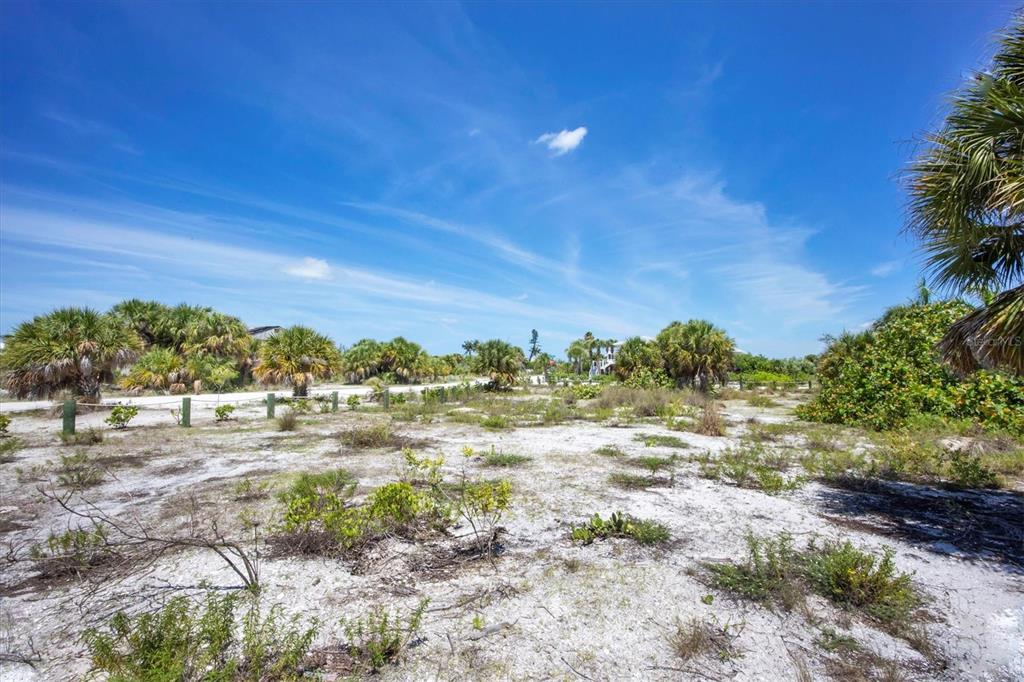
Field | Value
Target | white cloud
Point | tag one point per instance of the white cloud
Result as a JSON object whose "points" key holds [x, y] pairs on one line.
{"points": [[885, 269], [309, 268], [563, 142]]}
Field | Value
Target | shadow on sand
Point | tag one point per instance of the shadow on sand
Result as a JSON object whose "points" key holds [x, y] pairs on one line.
{"points": [[986, 525]]}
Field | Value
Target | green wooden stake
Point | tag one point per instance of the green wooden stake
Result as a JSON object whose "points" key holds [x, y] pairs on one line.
{"points": [[334, 402], [69, 417], [270, 405], [386, 398], [186, 412]]}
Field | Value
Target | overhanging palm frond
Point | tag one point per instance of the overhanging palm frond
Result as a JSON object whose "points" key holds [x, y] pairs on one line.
{"points": [[989, 337]]}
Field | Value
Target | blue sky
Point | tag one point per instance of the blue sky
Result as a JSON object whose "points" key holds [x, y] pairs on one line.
{"points": [[451, 171]]}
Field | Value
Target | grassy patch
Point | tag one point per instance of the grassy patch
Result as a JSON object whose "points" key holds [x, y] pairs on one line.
{"points": [[374, 436], [763, 401], [495, 422], [651, 440], [9, 447], [630, 481], [701, 638], [289, 421], [90, 436], [609, 451], [504, 459], [751, 466]]}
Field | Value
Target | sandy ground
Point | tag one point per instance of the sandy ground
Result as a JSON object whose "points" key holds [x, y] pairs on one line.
{"points": [[549, 609]]}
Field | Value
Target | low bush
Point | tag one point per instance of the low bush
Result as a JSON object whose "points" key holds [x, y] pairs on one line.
{"points": [[774, 572], [750, 466], [8, 448], [618, 525], [120, 415], [581, 391], [644, 402], [222, 413], [374, 436], [852, 577], [78, 471], [609, 451], [248, 489], [5, 423], [90, 436], [289, 421], [495, 422], [186, 641], [72, 552], [352, 401], [710, 422], [381, 637]]}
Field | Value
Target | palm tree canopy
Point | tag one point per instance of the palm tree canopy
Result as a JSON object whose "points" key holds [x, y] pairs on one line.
{"points": [[695, 351], [297, 356], [499, 360], [69, 348], [967, 205]]}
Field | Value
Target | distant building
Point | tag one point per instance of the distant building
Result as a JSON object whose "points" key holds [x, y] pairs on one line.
{"points": [[264, 332]]}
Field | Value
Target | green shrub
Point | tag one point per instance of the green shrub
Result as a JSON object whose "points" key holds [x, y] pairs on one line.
{"points": [[318, 503], [352, 401], [90, 436], [381, 637], [185, 641], [120, 415], [482, 504], [5, 423], [750, 466], [648, 378], [72, 552], [769, 573], [582, 391], [885, 376], [8, 448], [495, 422], [759, 400], [78, 471], [644, 402], [849, 576], [223, 413], [248, 489], [618, 525]]}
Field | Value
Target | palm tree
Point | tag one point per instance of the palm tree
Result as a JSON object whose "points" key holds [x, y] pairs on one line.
{"points": [[967, 208], [297, 356], [158, 368], [633, 354], [695, 353], [362, 360], [70, 348], [500, 361], [401, 357], [577, 352], [142, 316], [470, 346]]}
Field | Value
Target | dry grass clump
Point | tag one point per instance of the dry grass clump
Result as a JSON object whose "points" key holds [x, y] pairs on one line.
{"points": [[645, 402], [696, 638], [373, 436], [289, 421], [710, 422]]}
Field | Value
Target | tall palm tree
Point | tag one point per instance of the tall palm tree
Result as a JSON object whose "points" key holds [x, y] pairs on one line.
{"points": [[967, 208], [158, 368], [633, 354], [69, 348], [297, 356], [362, 360], [499, 360], [696, 352], [142, 316]]}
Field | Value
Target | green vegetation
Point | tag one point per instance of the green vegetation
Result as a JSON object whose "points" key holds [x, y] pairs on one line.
{"points": [[186, 641], [651, 440], [504, 459], [618, 525], [889, 374], [696, 638], [78, 471], [500, 361], [297, 356], [288, 421], [352, 401], [631, 481], [373, 436], [72, 552], [5, 423], [8, 447], [381, 637], [69, 349], [695, 353], [495, 422], [750, 466], [223, 413], [609, 451], [89, 436], [120, 415], [775, 573]]}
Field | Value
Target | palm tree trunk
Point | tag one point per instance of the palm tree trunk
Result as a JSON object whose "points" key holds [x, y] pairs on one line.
{"points": [[88, 388]]}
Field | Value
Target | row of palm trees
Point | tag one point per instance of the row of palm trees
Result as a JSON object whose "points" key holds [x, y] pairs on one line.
{"points": [[148, 345], [694, 353]]}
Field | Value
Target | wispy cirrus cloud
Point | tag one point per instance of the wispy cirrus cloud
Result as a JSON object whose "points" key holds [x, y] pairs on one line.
{"points": [[563, 142], [886, 268]]}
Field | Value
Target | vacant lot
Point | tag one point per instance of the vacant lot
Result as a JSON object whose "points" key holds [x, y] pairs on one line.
{"points": [[552, 593]]}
